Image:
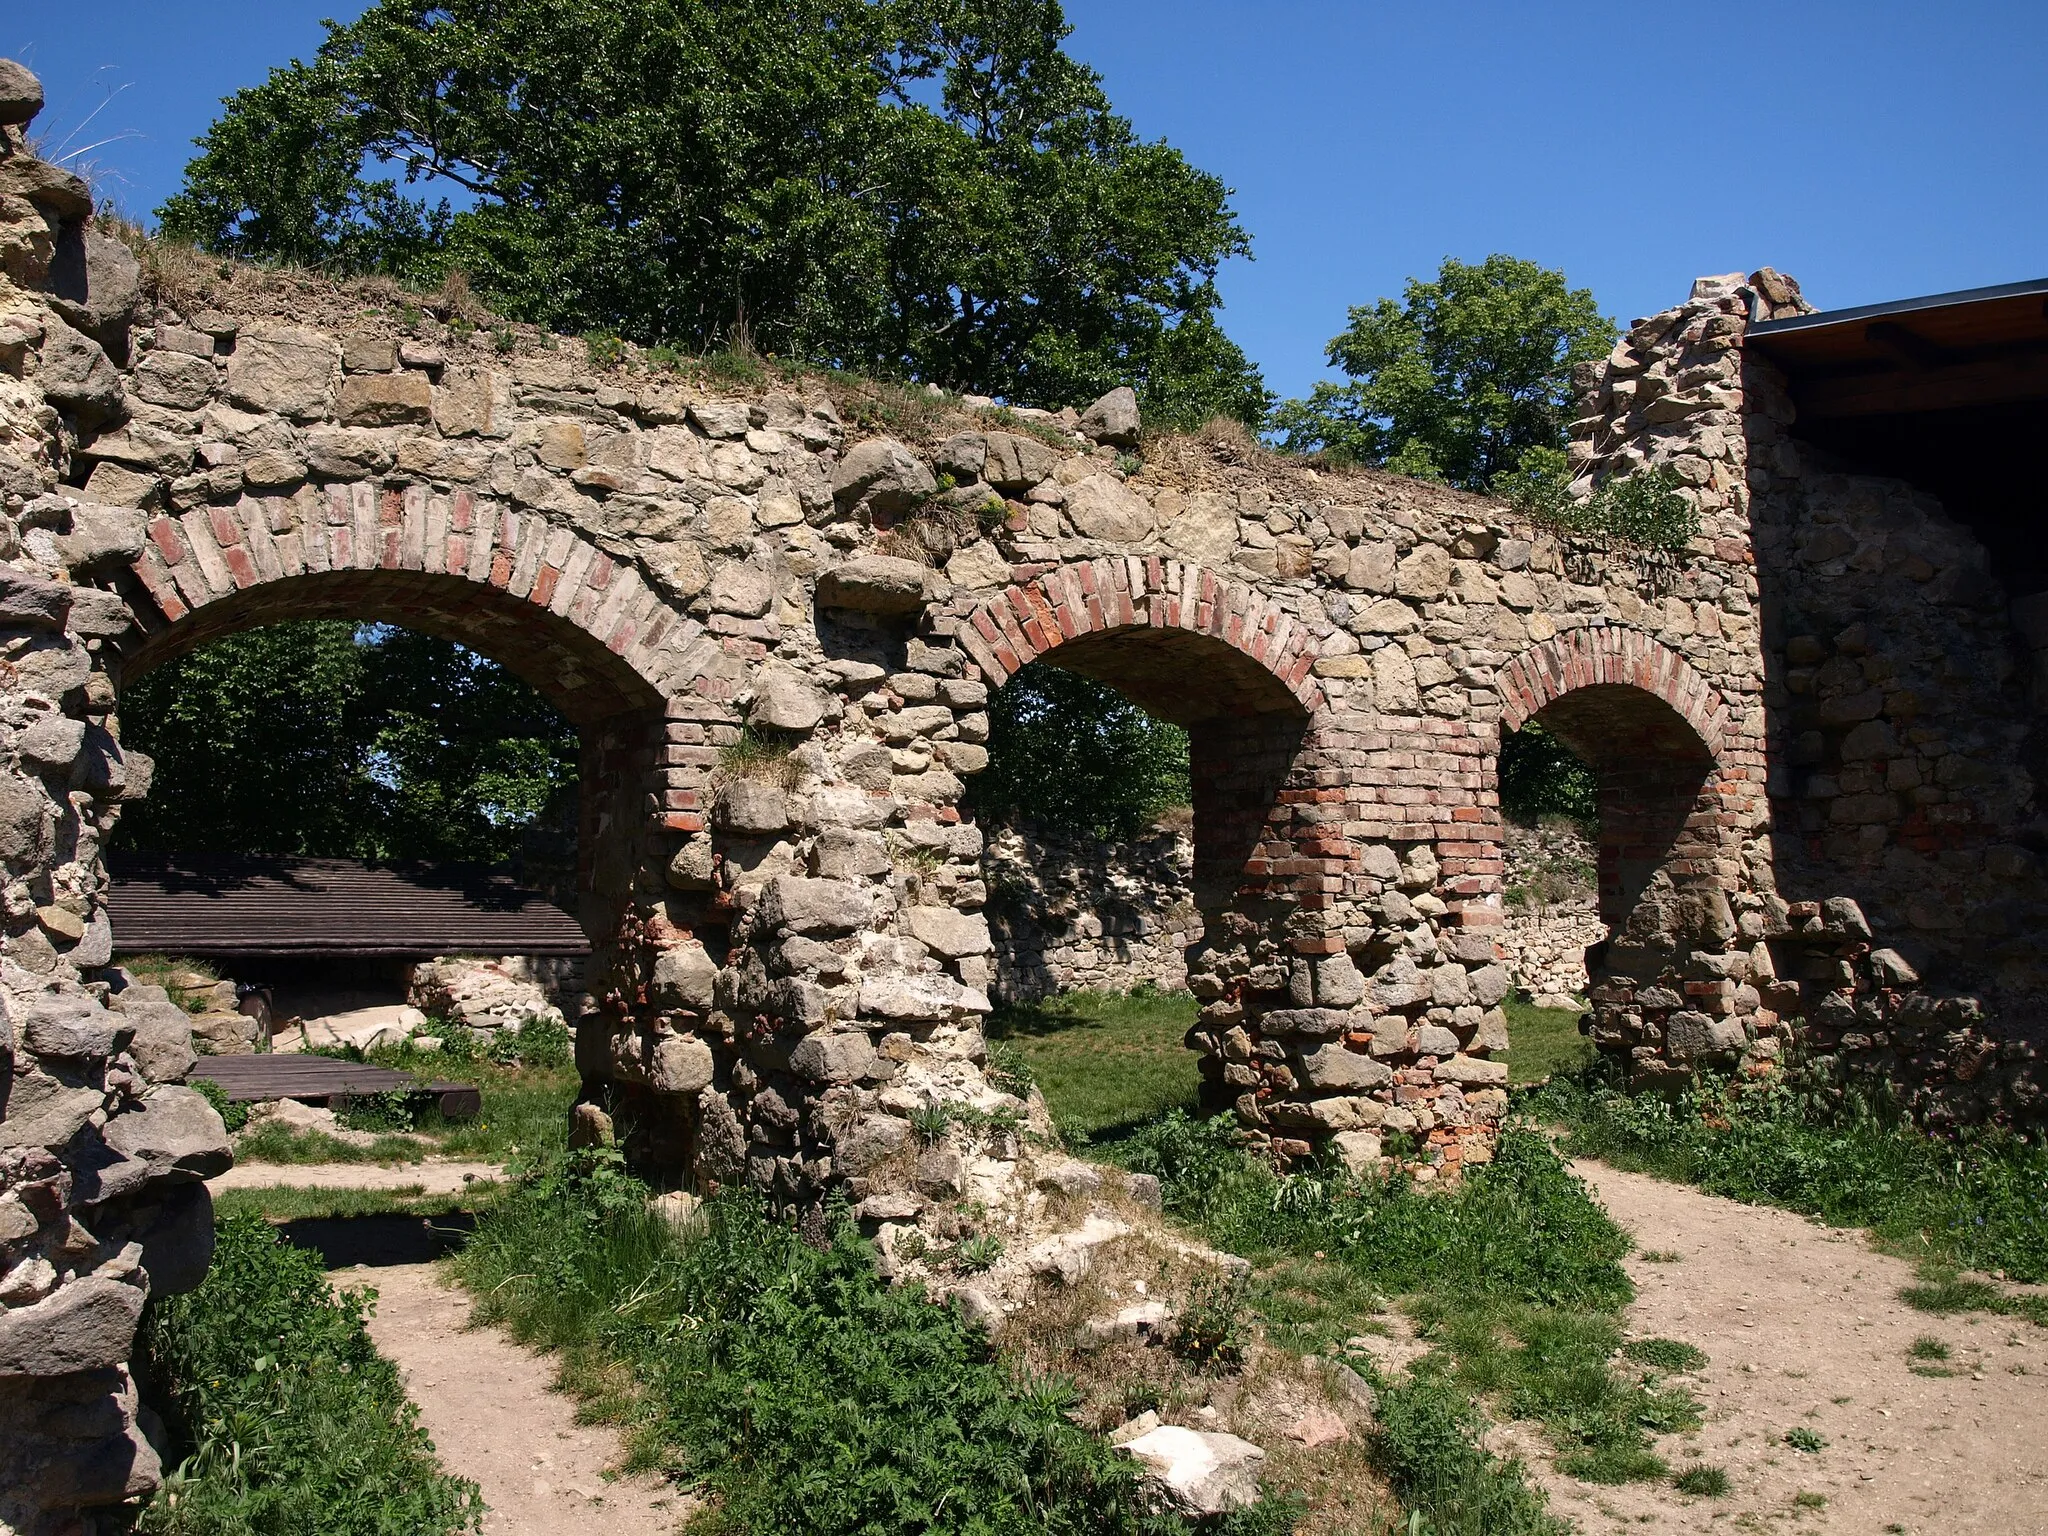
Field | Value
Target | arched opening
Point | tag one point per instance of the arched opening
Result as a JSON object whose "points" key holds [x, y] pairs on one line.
{"points": [[506, 802], [1129, 804], [1657, 841], [344, 821], [1550, 814]]}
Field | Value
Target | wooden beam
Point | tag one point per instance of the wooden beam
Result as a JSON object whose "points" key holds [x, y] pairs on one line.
{"points": [[2009, 377]]}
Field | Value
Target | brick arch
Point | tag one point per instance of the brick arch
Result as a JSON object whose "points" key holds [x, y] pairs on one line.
{"points": [[1610, 656], [1075, 606], [1659, 741], [1211, 654], [586, 629]]}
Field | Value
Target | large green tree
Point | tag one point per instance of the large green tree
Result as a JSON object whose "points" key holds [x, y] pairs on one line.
{"points": [[921, 187], [1459, 381], [1074, 755], [327, 738]]}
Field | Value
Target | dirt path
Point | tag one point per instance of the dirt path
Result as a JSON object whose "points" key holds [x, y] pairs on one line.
{"points": [[487, 1405], [1804, 1330], [433, 1176]]}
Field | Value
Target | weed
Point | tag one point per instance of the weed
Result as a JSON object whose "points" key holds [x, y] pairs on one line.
{"points": [[286, 1416], [1804, 1439], [1129, 463], [1662, 1256], [976, 1254], [929, 1122], [756, 755], [1927, 1347], [1809, 1501], [232, 1115], [604, 350], [376, 1112], [1212, 1330], [1009, 1069], [505, 339], [1665, 1354], [1703, 1482], [1426, 1445]]}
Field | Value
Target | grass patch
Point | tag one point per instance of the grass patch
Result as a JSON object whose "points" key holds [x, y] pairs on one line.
{"points": [[1702, 1482], [1514, 1278], [1944, 1292], [1979, 1201], [1665, 1354], [1543, 1041], [285, 1415], [785, 1378], [294, 1202], [1107, 1062], [525, 1111]]}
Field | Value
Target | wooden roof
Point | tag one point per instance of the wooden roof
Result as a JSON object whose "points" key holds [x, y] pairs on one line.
{"points": [[244, 904], [1980, 347]]}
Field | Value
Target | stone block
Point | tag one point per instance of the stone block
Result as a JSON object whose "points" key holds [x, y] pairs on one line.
{"points": [[879, 584], [175, 1132], [815, 906], [1471, 1071], [752, 807], [685, 976], [834, 1056], [1113, 419], [679, 1064], [1334, 1067], [86, 1325], [841, 853], [285, 369], [948, 933], [1690, 1035]]}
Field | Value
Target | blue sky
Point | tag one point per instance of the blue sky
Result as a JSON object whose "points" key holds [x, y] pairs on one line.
{"points": [[1874, 150]]}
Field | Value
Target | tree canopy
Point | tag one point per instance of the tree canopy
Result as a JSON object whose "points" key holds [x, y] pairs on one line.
{"points": [[930, 188], [1076, 756], [1461, 380], [327, 738]]}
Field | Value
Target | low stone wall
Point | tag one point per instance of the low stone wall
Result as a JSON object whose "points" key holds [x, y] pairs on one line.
{"points": [[1552, 909], [1069, 913], [483, 995], [1545, 949]]}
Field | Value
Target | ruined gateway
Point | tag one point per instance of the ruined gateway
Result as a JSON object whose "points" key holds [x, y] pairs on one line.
{"points": [[1811, 730]]}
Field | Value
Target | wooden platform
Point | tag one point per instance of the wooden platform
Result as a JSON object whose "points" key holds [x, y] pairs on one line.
{"points": [[323, 1080]]}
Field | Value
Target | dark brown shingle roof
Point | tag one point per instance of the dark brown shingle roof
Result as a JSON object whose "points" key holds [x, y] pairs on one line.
{"points": [[239, 904]]}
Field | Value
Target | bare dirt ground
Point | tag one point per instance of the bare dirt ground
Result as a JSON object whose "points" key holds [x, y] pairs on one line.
{"points": [[486, 1402], [1804, 1330], [431, 1176]]}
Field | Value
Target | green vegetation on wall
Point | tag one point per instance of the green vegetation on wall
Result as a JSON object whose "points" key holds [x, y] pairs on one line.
{"points": [[330, 739], [931, 188], [1076, 756]]}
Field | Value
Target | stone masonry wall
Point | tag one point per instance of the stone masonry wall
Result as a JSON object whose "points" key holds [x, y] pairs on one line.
{"points": [[1068, 914], [1904, 942]]}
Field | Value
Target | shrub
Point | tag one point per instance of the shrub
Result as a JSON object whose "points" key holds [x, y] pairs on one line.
{"points": [[1848, 1156], [289, 1418], [392, 1111]]}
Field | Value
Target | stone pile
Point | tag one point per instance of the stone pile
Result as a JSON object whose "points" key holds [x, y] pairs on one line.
{"points": [[1070, 913], [479, 995], [1553, 911]]}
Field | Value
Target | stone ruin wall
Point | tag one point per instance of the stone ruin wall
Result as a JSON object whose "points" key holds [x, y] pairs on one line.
{"points": [[792, 950], [1072, 913], [1903, 709]]}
